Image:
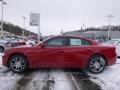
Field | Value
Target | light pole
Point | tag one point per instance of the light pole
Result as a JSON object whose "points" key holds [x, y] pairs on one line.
{"points": [[109, 27], [24, 18], [3, 3]]}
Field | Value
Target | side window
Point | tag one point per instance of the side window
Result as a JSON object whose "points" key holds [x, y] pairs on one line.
{"points": [[55, 42], [78, 42], [85, 42], [75, 42]]}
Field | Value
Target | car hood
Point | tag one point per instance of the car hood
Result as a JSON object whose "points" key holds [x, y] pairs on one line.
{"points": [[19, 48]]}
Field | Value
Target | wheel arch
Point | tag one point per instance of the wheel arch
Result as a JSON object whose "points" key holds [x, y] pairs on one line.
{"points": [[95, 71], [18, 54], [99, 55]]}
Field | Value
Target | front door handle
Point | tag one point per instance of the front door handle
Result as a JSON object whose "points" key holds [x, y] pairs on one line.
{"points": [[61, 51]]}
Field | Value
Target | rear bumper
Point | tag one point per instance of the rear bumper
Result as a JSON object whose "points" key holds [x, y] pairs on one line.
{"points": [[111, 59]]}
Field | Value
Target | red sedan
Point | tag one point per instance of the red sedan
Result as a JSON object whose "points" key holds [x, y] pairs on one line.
{"points": [[61, 52]]}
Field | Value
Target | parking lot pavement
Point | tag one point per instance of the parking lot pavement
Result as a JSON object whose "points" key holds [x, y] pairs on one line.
{"points": [[44, 79], [41, 79], [57, 79]]}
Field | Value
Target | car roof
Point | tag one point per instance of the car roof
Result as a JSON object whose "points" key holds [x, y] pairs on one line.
{"points": [[67, 36], [74, 36]]}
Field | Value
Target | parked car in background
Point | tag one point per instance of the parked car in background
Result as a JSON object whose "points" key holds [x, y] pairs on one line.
{"points": [[31, 42], [21, 42], [17, 42], [61, 52], [4, 45], [14, 43], [116, 43], [101, 40]]}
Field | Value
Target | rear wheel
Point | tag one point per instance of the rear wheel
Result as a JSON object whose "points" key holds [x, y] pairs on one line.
{"points": [[96, 64], [18, 63]]}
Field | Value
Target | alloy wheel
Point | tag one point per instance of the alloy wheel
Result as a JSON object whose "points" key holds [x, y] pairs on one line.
{"points": [[17, 63], [97, 64]]}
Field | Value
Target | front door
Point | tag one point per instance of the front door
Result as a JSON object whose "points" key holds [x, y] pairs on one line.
{"points": [[52, 55]]}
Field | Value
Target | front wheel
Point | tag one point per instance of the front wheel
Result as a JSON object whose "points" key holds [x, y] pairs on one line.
{"points": [[18, 63], [96, 64]]}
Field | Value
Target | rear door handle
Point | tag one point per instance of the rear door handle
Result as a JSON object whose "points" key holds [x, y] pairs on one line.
{"points": [[88, 48]]}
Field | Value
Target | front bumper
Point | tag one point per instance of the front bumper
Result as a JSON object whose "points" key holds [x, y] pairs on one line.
{"points": [[5, 60]]}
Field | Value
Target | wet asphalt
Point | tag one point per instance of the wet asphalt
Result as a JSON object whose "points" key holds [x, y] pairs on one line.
{"points": [[48, 82]]}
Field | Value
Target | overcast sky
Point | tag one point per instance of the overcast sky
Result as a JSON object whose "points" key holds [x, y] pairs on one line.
{"points": [[68, 15]]}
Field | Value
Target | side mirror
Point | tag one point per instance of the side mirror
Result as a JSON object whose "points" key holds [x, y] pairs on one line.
{"points": [[42, 44]]}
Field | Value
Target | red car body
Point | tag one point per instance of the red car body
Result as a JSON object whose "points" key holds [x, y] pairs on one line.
{"points": [[62, 56]]}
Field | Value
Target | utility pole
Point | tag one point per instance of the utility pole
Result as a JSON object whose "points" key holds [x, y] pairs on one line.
{"points": [[23, 33], [3, 3], [39, 33], [10, 32], [109, 25], [62, 32]]}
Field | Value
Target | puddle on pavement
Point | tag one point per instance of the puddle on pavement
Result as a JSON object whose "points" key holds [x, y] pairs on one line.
{"points": [[24, 81], [84, 81], [49, 85]]}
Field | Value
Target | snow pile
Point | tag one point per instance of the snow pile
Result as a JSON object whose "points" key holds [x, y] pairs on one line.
{"points": [[7, 78]]}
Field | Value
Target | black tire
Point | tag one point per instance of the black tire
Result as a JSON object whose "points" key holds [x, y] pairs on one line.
{"points": [[1, 49], [96, 64], [18, 63]]}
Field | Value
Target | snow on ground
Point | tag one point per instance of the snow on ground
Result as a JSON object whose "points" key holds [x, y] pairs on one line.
{"points": [[37, 80], [110, 78], [7, 81], [61, 83], [54, 80], [7, 78]]}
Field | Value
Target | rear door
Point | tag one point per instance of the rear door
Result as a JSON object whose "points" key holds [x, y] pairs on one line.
{"points": [[77, 52]]}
